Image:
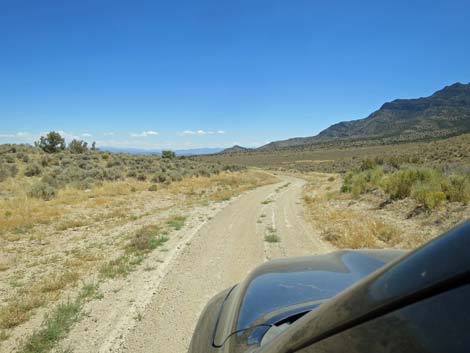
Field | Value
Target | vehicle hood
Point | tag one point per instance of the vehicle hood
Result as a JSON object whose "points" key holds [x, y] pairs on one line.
{"points": [[284, 288]]}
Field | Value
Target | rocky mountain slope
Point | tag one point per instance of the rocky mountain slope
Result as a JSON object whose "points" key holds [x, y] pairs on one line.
{"points": [[444, 113]]}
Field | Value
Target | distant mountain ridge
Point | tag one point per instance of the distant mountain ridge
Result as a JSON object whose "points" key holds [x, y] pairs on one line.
{"points": [[235, 149], [444, 113]]}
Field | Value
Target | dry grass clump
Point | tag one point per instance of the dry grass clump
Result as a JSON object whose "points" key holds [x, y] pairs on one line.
{"points": [[71, 223], [56, 282], [149, 238], [342, 225], [349, 229], [221, 187], [19, 308], [176, 222]]}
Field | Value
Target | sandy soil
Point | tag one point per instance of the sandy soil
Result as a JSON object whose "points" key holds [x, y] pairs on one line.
{"points": [[157, 307]]}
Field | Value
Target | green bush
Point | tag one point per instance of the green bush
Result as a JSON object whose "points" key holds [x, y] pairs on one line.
{"points": [[153, 187], [32, 170], [358, 184], [168, 154], [430, 195], [78, 146], [131, 174], [159, 178], [41, 190], [400, 184], [175, 176], [367, 164], [7, 170], [457, 188], [10, 158]]}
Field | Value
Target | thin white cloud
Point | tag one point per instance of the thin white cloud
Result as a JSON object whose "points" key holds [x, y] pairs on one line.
{"points": [[200, 132], [144, 134], [188, 132], [86, 134], [109, 133], [66, 135], [20, 134]]}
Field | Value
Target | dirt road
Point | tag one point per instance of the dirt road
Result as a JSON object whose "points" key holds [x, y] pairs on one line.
{"points": [[211, 257]]}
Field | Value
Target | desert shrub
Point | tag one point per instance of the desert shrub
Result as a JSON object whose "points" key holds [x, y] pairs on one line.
{"points": [[430, 195], [4, 172], [51, 180], [175, 176], [112, 163], [203, 172], [399, 184], [85, 184], [153, 187], [457, 188], [141, 177], [114, 173], [146, 239], [159, 178], [131, 174], [85, 165], [22, 156], [45, 160], [66, 162], [7, 170], [10, 158], [78, 146], [32, 170], [367, 164], [41, 190], [358, 182]]}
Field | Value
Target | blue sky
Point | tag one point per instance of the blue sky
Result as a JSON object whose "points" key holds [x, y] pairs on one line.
{"points": [[212, 73]]}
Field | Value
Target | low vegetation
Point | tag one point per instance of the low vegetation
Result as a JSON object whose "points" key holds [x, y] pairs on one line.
{"points": [[342, 156], [377, 206], [70, 213], [59, 175], [271, 235], [429, 187], [58, 323]]}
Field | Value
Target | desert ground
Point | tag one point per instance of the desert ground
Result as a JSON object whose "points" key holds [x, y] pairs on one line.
{"points": [[127, 265]]}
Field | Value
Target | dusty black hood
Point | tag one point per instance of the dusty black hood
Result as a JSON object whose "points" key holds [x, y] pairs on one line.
{"points": [[286, 287]]}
